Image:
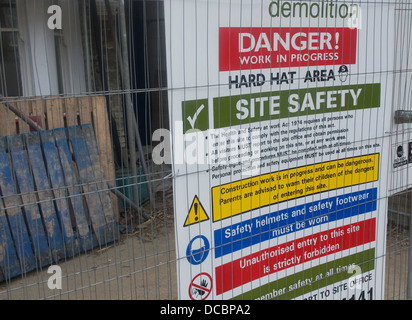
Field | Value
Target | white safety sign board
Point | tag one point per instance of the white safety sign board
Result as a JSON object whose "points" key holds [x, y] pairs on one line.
{"points": [[280, 114]]}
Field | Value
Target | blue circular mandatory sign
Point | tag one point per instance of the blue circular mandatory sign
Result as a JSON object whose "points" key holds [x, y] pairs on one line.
{"points": [[198, 250]]}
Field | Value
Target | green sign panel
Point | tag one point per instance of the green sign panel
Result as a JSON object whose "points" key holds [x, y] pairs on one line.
{"points": [[250, 108]]}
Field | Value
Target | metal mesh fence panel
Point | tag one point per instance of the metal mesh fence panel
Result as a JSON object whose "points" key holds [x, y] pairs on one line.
{"points": [[205, 150]]}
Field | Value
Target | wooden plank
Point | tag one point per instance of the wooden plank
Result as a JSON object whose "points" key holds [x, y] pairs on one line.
{"points": [[12, 203], [3, 120], [45, 197], [100, 179], [7, 121], [87, 239], [12, 119], [104, 232], [54, 111], [71, 111], [24, 107], [104, 141], [11, 123], [84, 110], [38, 110], [102, 131], [9, 263], [27, 192]]}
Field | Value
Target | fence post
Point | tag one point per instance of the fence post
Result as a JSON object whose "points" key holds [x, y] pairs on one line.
{"points": [[409, 287]]}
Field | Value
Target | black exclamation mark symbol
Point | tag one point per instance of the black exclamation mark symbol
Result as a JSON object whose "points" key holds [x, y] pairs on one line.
{"points": [[196, 214]]}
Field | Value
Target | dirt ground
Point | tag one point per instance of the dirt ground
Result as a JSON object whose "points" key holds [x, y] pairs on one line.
{"points": [[130, 269]]}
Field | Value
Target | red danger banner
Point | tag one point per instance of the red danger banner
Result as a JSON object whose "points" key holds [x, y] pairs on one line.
{"points": [[260, 264], [263, 48]]}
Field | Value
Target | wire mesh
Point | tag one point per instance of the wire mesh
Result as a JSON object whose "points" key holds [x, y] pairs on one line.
{"points": [[104, 63]]}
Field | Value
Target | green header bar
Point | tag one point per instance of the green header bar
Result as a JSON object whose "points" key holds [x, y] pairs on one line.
{"points": [[256, 107], [312, 279]]}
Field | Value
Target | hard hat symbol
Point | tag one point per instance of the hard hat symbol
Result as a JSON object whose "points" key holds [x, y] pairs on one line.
{"points": [[399, 151], [343, 73], [197, 250], [343, 68]]}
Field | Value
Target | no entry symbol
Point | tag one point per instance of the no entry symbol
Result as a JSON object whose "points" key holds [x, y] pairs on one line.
{"points": [[200, 287]]}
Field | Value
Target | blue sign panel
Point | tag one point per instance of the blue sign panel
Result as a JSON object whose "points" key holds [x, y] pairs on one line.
{"points": [[247, 233]]}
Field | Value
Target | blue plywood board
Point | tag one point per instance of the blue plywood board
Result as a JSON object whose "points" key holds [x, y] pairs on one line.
{"points": [[96, 207], [60, 192], [99, 178], [69, 180], [18, 228], [9, 263], [27, 191], [54, 200], [45, 197]]}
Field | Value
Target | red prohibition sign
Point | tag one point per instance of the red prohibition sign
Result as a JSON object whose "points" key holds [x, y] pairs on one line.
{"points": [[201, 290]]}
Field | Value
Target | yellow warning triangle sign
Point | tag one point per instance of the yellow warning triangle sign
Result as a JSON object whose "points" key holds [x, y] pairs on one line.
{"points": [[196, 213]]}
